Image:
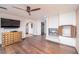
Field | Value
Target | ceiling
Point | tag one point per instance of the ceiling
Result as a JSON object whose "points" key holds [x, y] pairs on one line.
{"points": [[46, 9]]}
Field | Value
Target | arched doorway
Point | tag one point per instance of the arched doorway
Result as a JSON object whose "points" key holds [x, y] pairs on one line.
{"points": [[29, 28]]}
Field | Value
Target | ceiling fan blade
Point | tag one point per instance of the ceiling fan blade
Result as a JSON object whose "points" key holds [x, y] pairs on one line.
{"points": [[3, 8], [36, 9], [18, 8]]}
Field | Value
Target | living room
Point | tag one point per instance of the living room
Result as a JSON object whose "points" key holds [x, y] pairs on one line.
{"points": [[59, 25]]}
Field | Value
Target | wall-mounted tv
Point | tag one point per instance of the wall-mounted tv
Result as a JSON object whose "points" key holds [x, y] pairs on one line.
{"points": [[9, 23]]}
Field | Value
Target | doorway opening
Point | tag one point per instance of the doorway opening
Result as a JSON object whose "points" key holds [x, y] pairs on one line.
{"points": [[42, 28]]}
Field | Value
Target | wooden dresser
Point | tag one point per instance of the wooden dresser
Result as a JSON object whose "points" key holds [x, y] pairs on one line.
{"points": [[11, 37]]}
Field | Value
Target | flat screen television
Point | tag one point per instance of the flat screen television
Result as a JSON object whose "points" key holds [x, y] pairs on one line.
{"points": [[9, 23]]}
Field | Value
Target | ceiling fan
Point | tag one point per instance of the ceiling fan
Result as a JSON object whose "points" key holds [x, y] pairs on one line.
{"points": [[3, 8], [28, 9]]}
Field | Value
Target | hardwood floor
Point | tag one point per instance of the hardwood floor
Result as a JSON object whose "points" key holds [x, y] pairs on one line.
{"points": [[37, 45]]}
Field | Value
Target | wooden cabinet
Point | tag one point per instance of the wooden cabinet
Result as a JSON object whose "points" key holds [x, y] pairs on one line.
{"points": [[11, 37], [67, 30]]}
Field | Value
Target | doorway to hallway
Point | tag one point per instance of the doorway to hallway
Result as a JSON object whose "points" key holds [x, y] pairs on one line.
{"points": [[42, 28]]}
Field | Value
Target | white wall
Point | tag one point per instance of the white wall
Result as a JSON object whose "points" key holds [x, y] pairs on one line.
{"points": [[68, 18], [38, 27], [53, 21], [77, 24]]}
